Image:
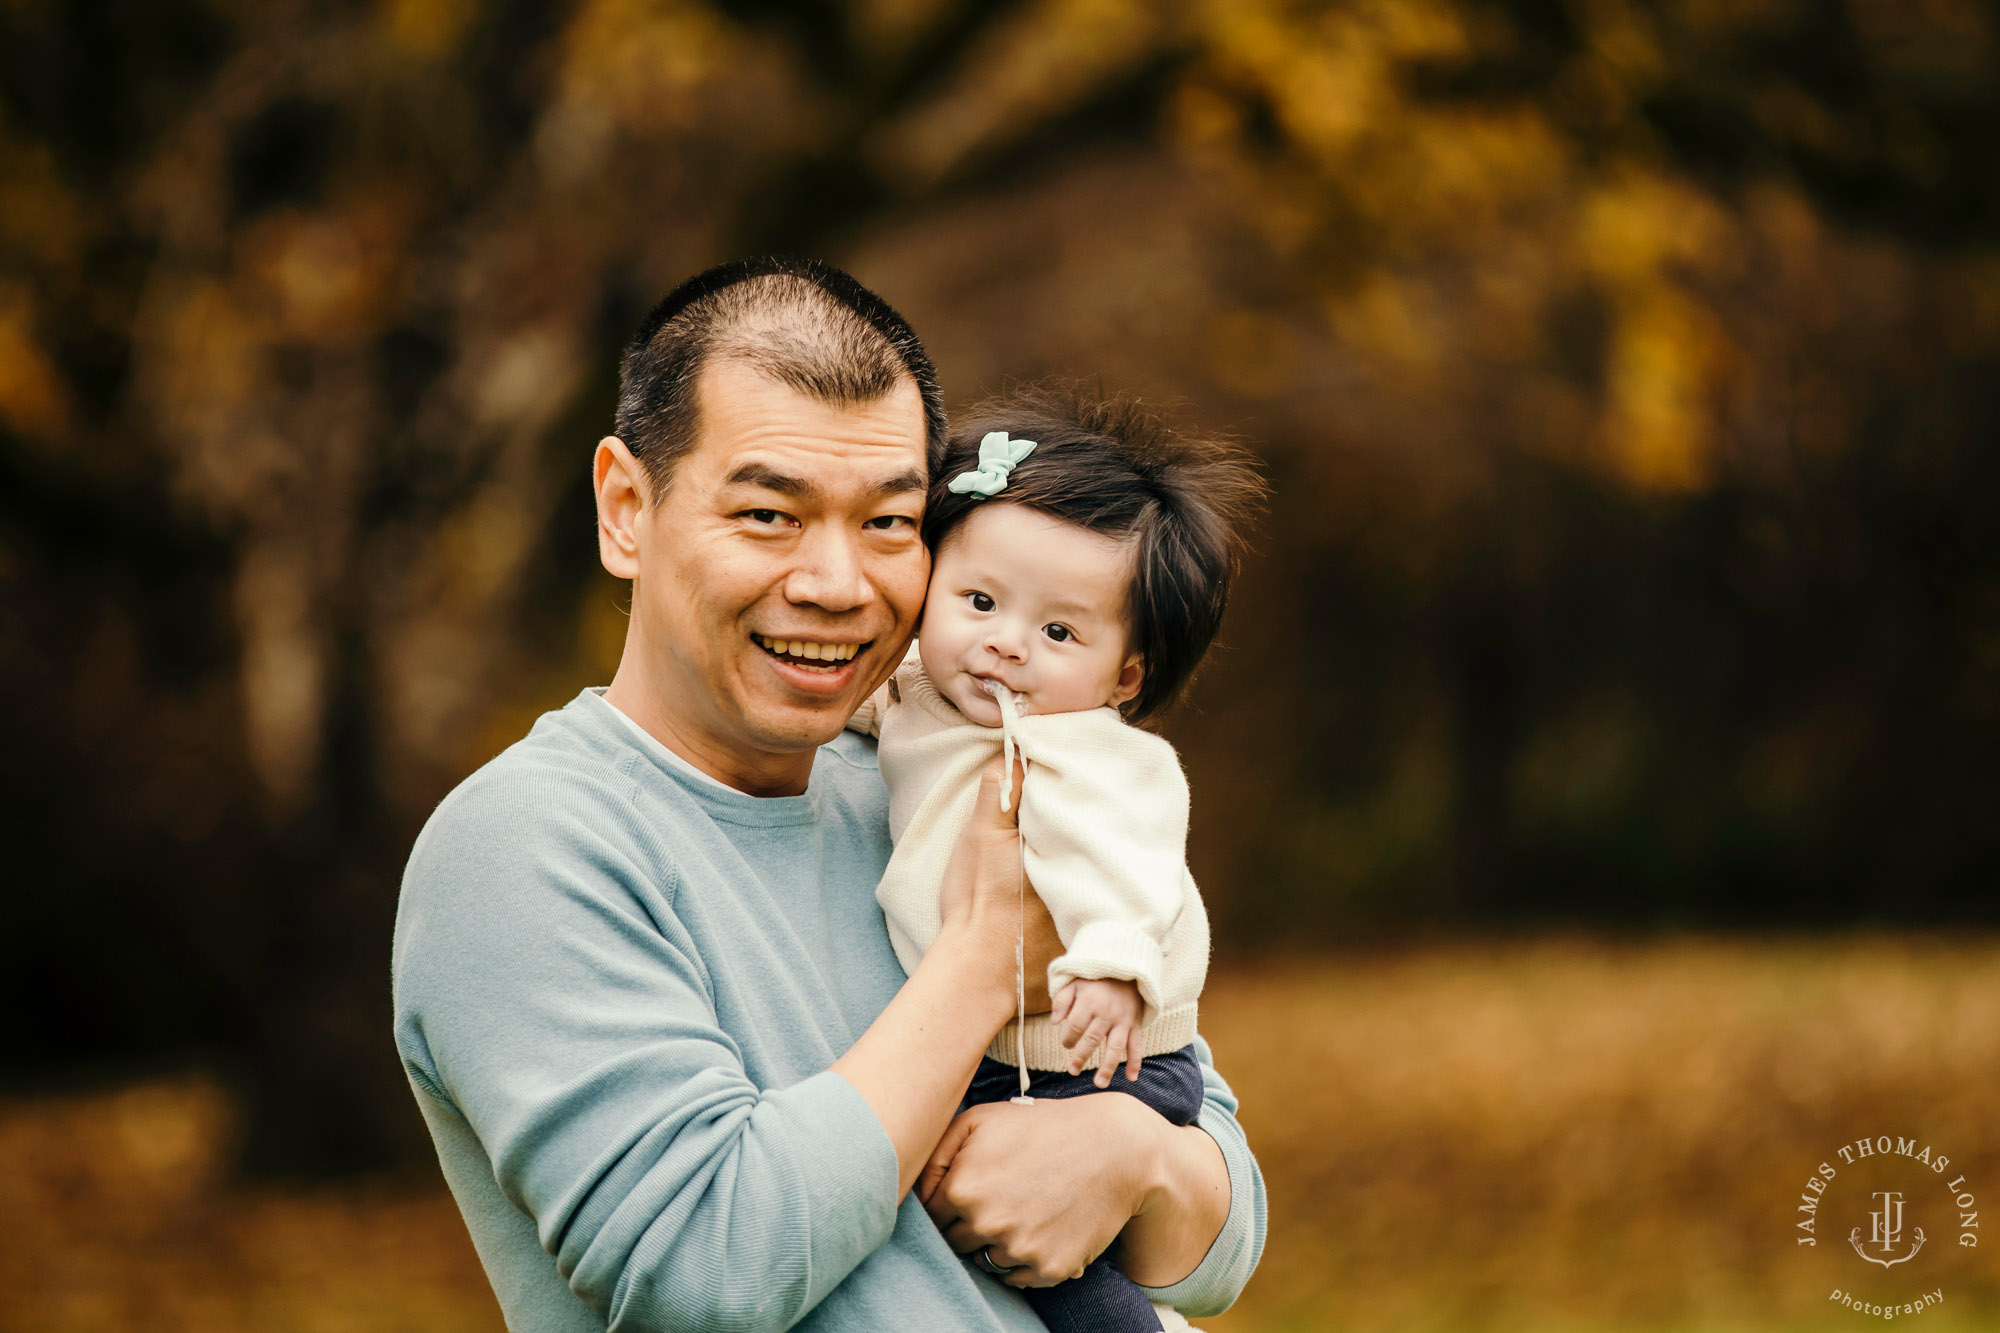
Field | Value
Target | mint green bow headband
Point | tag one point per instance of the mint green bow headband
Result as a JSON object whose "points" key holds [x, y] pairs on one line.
{"points": [[998, 456]]}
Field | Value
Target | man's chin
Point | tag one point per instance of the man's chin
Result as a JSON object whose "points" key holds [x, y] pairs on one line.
{"points": [[791, 726]]}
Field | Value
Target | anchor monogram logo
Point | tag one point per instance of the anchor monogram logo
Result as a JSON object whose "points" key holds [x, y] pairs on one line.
{"points": [[1886, 1230]]}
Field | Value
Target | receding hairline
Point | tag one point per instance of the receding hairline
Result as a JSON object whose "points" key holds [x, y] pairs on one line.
{"points": [[789, 331], [719, 358], [752, 472], [795, 331]]}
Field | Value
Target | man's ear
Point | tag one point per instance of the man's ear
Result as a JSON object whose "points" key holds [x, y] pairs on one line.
{"points": [[1130, 677], [620, 482]]}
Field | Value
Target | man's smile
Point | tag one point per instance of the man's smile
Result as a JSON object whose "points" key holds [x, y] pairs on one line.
{"points": [[829, 660]]}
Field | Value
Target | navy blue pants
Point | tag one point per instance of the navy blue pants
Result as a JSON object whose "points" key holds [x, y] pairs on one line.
{"points": [[1103, 1300]]}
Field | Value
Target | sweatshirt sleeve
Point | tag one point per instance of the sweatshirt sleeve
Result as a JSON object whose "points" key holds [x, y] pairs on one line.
{"points": [[1104, 813], [569, 1021], [1220, 1277]]}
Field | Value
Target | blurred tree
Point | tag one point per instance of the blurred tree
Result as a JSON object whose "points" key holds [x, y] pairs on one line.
{"points": [[1627, 372]]}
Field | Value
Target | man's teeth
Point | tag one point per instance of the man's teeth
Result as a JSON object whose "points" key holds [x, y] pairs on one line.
{"points": [[812, 652]]}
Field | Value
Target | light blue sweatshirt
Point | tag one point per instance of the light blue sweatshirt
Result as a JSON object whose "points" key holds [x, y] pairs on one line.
{"points": [[619, 986]]}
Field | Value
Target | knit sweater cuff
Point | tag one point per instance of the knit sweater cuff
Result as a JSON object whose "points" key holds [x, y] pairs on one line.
{"points": [[1109, 950], [1041, 1042]]}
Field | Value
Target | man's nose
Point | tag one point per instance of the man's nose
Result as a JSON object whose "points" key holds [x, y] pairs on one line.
{"points": [[829, 572]]}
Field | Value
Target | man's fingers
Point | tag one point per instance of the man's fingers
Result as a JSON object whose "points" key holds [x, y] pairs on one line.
{"points": [[1132, 1064], [939, 1165], [966, 1238], [988, 810], [928, 1181], [1029, 1273], [1002, 1257], [938, 1203]]}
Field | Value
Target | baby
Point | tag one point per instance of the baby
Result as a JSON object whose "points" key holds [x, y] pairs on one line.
{"points": [[1082, 558]]}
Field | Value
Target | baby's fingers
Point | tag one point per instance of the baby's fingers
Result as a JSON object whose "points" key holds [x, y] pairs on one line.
{"points": [[1112, 1053], [1132, 1064], [1081, 1023], [1092, 1041], [1059, 1005]]}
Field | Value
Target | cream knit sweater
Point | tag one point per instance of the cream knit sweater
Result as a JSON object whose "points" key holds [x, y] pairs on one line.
{"points": [[1104, 812]]}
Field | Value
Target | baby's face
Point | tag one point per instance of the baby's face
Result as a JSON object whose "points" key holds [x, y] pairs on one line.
{"points": [[1034, 603]]}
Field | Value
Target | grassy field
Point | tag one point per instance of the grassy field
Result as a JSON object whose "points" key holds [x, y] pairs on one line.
{"points": [[1561, 1136], [1570, 1135]]}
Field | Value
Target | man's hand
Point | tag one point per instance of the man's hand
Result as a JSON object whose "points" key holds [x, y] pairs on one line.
{"points": [[984, 881], [1042, 946], [1099, 1017], [1047, 1186]]}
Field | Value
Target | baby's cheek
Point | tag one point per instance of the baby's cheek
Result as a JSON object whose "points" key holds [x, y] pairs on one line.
{"points": [[932, 631], [1073, 687]]}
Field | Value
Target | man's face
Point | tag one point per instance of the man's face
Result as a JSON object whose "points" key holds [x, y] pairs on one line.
{"points": [[781, 573]]}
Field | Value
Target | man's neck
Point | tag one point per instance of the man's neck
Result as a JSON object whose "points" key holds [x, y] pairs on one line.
{"points": [[636, 695]]}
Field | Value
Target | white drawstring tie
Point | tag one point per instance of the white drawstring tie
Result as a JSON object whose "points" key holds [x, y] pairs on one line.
{"points": [[1010, 717]]}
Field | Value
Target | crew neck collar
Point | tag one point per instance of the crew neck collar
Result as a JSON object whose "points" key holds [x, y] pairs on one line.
{"points": [[722, 800]]}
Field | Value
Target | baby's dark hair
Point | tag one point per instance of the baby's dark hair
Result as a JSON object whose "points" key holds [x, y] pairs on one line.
{"points": [[1114, 466]]}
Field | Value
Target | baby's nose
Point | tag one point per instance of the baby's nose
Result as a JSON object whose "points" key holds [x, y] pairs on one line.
{"points": [[1005, 643]]}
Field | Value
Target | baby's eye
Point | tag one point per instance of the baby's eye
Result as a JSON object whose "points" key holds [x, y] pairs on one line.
{"points": [[980, 601], [1060, 633]]}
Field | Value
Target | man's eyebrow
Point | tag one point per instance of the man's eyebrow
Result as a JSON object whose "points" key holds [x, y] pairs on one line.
{"points": [[902, 484], [757, 474], [770, 479]]}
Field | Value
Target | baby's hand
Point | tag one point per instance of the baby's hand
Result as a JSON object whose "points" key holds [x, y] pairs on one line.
{"points": [[1100, 1017]]}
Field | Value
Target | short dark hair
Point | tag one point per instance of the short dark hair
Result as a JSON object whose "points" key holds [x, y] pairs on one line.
{"points": [[801, 322], [1114, 466]]}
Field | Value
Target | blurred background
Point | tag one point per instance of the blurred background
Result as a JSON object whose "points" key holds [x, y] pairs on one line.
{"points": [[1595, 800]]}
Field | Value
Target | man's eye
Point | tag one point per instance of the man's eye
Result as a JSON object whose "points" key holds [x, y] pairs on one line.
{"points": [[767, 516], [980, 601], [890, 522], [1060, 633]]}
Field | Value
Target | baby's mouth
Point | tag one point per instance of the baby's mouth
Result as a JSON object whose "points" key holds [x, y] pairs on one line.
{"points": [[993, 689], [812, 655]]}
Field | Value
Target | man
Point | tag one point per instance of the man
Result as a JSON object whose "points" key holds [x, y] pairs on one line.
{"points": [[643, 992]]}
